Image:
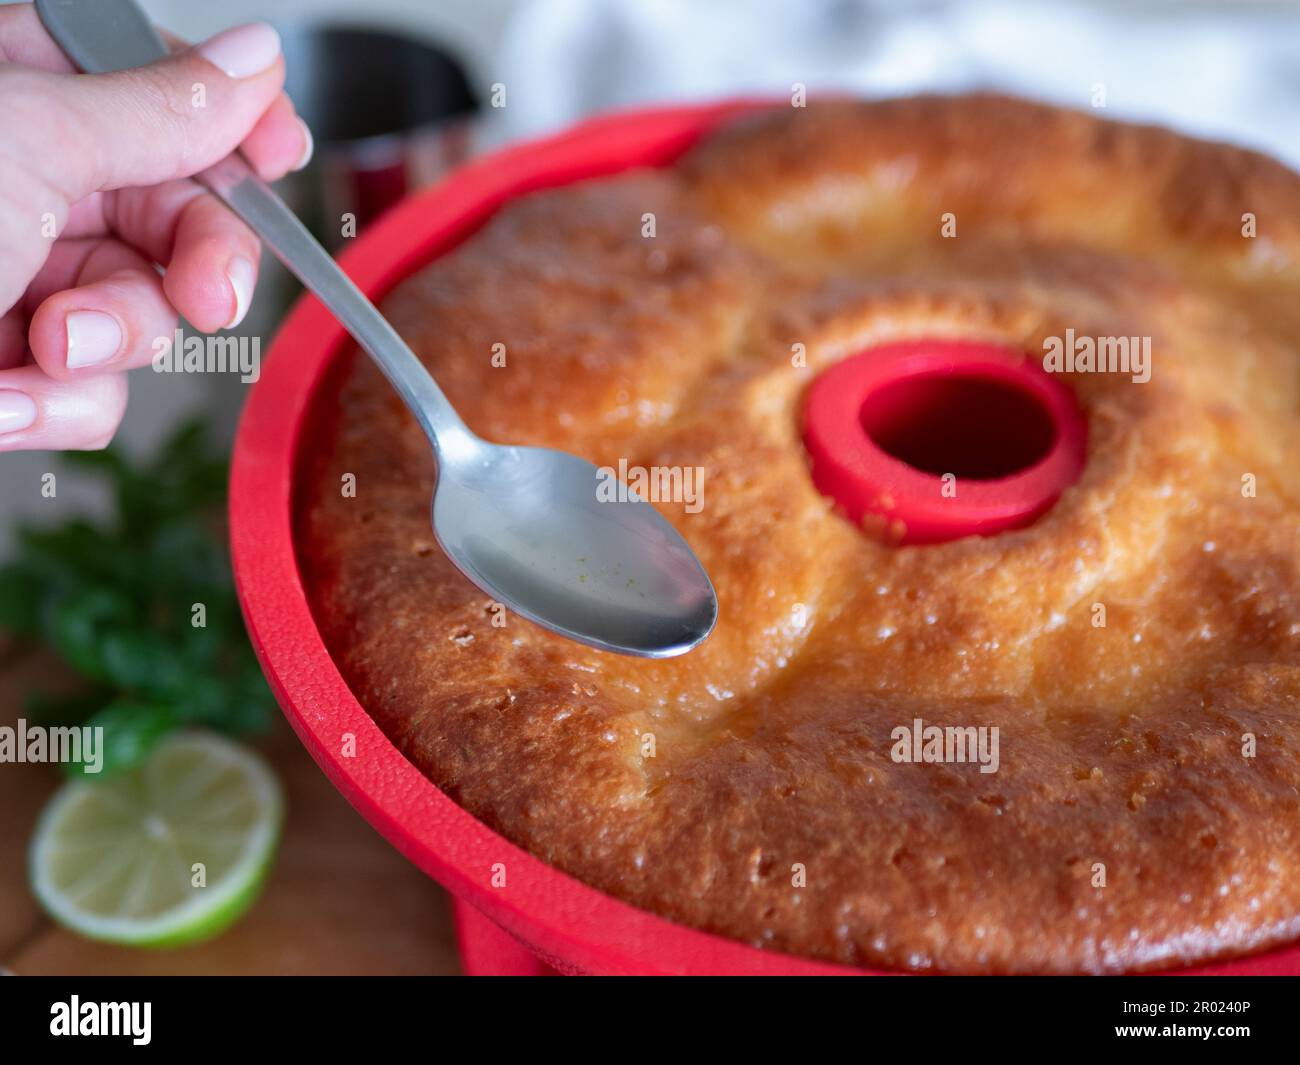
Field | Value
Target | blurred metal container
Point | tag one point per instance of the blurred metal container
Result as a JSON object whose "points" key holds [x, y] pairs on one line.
{"points": [[389, 114]]}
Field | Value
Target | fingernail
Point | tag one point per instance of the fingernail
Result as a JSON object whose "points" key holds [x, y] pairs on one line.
{"points": [[241, 275], [93, 337], [309, 146], [17, 411], [243, 51]]}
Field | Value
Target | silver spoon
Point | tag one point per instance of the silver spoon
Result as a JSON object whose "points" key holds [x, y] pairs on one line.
{"points": [[524, 524]]}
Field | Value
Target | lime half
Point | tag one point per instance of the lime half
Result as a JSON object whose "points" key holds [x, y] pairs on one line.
{"points": [[168, 853]]}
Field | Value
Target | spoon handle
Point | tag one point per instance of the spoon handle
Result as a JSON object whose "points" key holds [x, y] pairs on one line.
{"points": [[283, 232], [106, 35]]}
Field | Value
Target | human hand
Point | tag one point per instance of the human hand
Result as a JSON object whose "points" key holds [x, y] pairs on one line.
{"points": [[94, 192]]}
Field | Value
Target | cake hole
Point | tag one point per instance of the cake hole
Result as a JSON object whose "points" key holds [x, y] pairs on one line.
{"points": [[969, 426]]}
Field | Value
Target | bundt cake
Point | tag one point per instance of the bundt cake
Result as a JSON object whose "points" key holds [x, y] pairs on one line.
{"points": [[1125, 666]]}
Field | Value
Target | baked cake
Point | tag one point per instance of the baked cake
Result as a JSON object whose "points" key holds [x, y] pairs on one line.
{"points": [[1145, 810]]}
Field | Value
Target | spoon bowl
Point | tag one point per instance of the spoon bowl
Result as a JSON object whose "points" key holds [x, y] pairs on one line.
{"points": [[528, 526]]}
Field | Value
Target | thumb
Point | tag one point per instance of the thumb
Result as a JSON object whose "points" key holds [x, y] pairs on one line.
{"points": [[168, 120]]}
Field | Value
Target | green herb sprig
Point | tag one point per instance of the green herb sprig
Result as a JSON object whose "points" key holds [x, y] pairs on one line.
{"points": [[121, 602]]}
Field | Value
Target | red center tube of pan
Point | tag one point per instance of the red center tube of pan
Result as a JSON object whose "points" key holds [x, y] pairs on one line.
{"points": [[924, 441]]}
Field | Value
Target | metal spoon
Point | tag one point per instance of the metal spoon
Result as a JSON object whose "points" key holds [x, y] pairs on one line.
{"points": [[524, 524]]}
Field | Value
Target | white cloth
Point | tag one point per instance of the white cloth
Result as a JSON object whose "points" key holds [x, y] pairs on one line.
{"points": [[1228, 71]]}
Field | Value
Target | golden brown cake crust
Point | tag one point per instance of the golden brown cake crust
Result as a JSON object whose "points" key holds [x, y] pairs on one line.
{"points": [[1119, 745]]}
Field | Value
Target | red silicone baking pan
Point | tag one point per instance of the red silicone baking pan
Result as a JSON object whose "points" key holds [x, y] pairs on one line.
{"points": [[540, 920]]}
